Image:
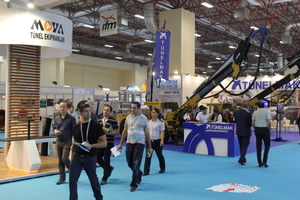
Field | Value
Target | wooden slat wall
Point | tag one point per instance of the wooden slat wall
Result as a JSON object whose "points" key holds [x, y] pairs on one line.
{"points": [[24, 90]]}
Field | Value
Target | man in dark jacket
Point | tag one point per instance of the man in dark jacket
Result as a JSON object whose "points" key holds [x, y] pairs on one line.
{"points": [[243, 120]]}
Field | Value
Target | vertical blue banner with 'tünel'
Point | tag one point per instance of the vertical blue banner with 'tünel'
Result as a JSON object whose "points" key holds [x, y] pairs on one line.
{"points": [[162, 55]]}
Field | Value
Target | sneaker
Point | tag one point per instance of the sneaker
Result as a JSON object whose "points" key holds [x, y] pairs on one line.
{"points": [[103, 182], [133, 188]]}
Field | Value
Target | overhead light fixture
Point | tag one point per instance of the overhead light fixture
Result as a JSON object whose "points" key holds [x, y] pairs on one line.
{"points": [[139, 16], [281, 42], [149, 54], [197, 35], [231, 47], [6, 1], [119, 58], [75, 50], [107, 45], [30, 4], [254, 27], [207, 5], [204, 72], [150, 41], [209, 66], [88, 26], [218, 58], [257, 55]]}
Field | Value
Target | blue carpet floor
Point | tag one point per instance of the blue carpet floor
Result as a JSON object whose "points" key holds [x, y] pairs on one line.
{"points": [[186, 178]]}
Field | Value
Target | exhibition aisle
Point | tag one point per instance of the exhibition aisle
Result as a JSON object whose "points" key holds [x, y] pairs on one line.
{"points": [[186, 177]]}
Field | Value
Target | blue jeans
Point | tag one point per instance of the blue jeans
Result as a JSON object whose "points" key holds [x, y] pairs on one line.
{"points": [[88, 163], [134, 155]]}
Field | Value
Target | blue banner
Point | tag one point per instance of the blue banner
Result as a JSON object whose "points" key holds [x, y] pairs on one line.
{"points": [[162, 55]]}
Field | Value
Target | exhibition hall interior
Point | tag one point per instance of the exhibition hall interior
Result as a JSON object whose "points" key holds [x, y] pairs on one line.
{"points": [[200, 63]]}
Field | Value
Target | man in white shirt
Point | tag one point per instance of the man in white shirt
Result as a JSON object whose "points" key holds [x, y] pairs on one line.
{"points": [[203, 116]]}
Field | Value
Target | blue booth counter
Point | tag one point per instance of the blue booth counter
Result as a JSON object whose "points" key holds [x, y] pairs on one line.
{"points": [[218, 139]]}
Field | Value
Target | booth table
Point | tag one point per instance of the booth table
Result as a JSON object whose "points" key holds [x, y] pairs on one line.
{"points": [[218, 139], [23, 153]]}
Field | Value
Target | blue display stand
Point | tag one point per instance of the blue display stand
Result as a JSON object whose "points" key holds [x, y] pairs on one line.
{"points": [[217, 139]]}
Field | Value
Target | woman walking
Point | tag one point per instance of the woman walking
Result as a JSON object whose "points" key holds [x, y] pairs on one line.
{"points": [[157, 132]]}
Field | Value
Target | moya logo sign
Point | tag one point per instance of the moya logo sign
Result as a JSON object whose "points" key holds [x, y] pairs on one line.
{"points": [[52, 28], [48, 26], [219, 127]]}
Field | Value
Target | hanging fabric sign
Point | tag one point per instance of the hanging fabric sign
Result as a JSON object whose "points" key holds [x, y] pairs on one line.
{"points": [[162, 55]]}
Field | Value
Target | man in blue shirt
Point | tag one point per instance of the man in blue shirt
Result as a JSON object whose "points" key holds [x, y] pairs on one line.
{"points": [[63, 124]]}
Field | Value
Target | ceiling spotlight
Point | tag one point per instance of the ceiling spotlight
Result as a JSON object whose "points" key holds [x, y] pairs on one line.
{"points": [[197, 35], [231, 47], [119, 58], [209, 66], [75, 50], [218, 58], [6, 0], [204, 72]]}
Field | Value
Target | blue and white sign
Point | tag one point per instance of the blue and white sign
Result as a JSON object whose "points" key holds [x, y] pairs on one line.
{"points": [[162, 55]]}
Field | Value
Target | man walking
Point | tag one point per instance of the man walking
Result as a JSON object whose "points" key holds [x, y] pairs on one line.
{"points": [[243, 120], [88, 137], [137, 132], [261, 121], [110, 128], [63, 124]]}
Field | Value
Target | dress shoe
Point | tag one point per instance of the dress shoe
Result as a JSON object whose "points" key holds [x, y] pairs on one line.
{"points": [[260, 165], [265, 164], [242, 163], [161, 171], [103, 182], [145, 173], [60, 181], [133, 188]]}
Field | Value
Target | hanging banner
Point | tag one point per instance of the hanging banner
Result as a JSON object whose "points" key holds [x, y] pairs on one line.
{"points": [[162, 55], [108, 22]]}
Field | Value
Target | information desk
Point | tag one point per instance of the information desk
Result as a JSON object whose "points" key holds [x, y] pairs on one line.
{"points": [[23, 154], [217, 139]]}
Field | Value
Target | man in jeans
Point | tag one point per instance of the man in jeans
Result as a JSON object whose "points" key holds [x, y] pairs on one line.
{"points": [[63, 124], [137, 132], [261, 121], [88, 137]]}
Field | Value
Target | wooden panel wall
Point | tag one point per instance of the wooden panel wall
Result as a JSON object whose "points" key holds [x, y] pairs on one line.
{"points": [[24, 90]]}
